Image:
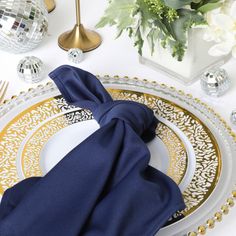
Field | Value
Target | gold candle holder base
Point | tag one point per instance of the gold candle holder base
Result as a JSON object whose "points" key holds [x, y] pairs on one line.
{"points": [[81, 38], [50, 5]]}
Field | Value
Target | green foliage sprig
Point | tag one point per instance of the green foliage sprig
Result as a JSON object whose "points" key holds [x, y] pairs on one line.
{"points": [[158, 8], [166, 22]]}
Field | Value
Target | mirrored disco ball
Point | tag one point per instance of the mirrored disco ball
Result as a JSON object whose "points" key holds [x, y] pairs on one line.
{"points": [[23, 24], [215, 82], [75, 55], [31, 69]]}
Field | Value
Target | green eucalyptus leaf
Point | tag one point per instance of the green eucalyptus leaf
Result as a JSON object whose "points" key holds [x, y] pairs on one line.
{"points": [[179, 30], [119, 13], [178, 50], [209, 7], [198, 5], [153, 37], [177, 4], [105, 21], [170, 28], [139, 40], [186, 20], [158, 23], [146, 15]]}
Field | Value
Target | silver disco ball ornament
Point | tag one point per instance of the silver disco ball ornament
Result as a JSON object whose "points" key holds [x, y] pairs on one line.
{"points": [[31, 69], [23, 24], [215, 82], [75, 55], [233, 117]]}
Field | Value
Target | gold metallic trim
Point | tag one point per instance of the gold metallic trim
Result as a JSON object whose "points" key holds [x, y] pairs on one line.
{"points": [[33, 147], [8, 171], [177, 152]]}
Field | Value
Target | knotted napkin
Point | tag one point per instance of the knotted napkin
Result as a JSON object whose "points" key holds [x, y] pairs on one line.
{"points": [[104, 186]]}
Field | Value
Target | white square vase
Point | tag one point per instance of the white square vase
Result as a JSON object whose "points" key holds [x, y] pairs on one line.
{"points": [[195, 62]]}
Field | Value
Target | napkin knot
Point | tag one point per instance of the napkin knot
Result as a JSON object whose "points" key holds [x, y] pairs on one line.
{"points": [[136, 115]]}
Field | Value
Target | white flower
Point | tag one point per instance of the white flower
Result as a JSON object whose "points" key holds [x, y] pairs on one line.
{"points": [[222, 29]]}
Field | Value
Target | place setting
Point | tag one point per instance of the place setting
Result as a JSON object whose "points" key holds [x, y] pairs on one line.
{"points": [[118, 155]]}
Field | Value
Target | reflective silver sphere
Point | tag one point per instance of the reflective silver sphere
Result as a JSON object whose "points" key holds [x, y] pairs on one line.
{"points": [[31, 69], [75, 55], [215, 82], [23, 24], [233, 117]]}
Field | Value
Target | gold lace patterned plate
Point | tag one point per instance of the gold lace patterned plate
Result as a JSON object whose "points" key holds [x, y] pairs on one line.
{"points": [[204, 144], [44, 113], [30, 156]]}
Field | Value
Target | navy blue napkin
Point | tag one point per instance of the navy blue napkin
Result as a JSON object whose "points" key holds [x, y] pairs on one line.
{"points": [[104, 186]]}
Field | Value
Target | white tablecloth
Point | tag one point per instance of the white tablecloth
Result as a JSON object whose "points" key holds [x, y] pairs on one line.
{"points": [[113, 57]]}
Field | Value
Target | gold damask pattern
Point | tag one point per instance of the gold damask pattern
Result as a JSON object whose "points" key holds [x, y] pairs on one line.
{"points": [[177, 153], [31, 156], [16, 131], [13, 135], [208, 157], [32, 149]]}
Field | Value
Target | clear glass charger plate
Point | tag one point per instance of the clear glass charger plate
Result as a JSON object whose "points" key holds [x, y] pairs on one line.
{"points": [[193, 145]]}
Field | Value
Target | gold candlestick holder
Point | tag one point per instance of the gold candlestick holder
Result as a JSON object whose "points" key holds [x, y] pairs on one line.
{"points": [[79, 37], [50, 5]]}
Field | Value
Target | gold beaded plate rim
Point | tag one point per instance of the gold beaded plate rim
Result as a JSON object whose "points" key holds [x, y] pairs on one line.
{"points": [[225, 203]]}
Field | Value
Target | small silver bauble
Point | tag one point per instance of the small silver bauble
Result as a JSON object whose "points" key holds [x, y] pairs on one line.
{"points": [[23, 24], [31, 69], [75, 55], [233, 117], [215, 82]]}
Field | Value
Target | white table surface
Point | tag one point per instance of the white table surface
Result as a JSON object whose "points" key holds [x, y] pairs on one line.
{"points": [[113, 57]]}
